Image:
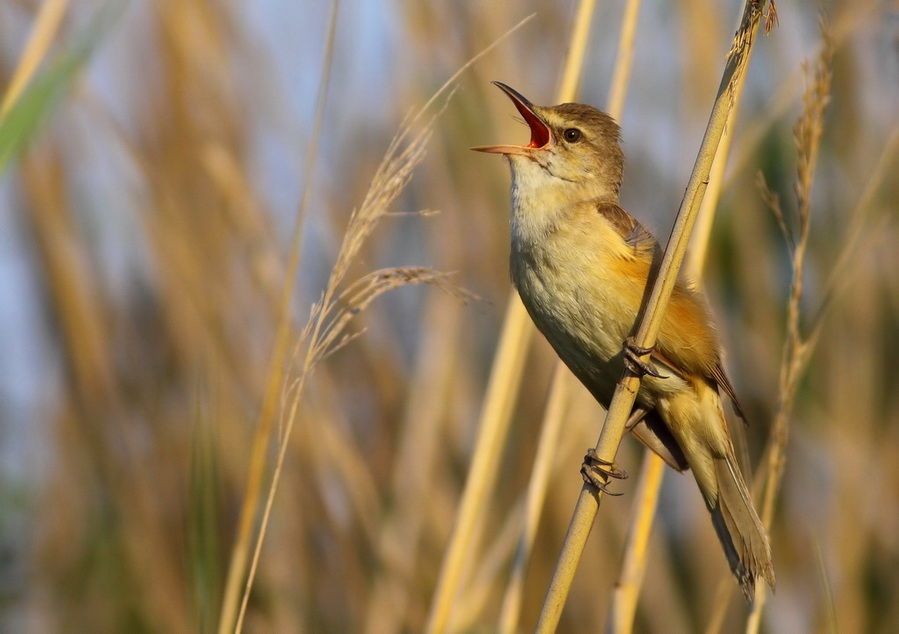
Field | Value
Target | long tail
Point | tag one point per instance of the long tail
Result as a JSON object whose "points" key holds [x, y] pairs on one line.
{"points": [[739, 528]]}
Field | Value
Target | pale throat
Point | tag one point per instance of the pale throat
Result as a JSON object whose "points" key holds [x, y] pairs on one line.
{"points": [[540, 200], [538, 204]]}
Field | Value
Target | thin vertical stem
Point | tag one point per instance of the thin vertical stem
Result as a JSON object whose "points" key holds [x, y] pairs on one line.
{"points": [[240, 553]]}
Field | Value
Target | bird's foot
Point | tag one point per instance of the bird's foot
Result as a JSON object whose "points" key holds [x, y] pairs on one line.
{"points": [[597, 472], [633, 362]]}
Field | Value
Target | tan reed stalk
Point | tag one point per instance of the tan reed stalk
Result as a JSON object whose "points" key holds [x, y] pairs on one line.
{"points": [[262, 437], [624, 60], [69, 276], [398, 542], [563, 381], [624, 600], [547, 446], [84, 323], [502, 390], [625, 393], [45, 28], [627, 591], [496, 412]]}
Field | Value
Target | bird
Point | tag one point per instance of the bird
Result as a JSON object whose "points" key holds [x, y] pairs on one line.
{"points": [[582, 266]]}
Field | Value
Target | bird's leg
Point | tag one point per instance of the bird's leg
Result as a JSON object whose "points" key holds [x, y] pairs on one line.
{"points": [[633, 362], [597, 472]]}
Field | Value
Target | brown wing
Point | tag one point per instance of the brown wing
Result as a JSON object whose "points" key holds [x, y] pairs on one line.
{"points": [[688, 342], [629, 228], [687, 327], [713, 373], [723, 382], [648, 428]]}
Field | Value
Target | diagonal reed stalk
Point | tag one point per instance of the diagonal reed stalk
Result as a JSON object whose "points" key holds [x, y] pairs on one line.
{"points": [[626, 391], [646, 498], [649, 483], [563, 381], [502, 389], [45, 29]]}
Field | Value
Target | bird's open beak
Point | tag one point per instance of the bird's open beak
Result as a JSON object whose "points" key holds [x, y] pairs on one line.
{"points": [[541, 136]]}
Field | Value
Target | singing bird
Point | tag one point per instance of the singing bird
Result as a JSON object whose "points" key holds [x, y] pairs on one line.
{"points": [[581, 265]]}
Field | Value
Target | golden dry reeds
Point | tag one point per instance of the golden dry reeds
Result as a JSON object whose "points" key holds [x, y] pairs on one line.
{"points": [[178, 327]]}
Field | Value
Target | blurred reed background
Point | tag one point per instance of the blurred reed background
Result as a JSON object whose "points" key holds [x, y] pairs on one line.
{"points": [[153, 169]]}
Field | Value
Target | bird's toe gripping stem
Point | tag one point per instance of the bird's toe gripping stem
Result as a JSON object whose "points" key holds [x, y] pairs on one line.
{"points": [[633, 362], [598, 472]]}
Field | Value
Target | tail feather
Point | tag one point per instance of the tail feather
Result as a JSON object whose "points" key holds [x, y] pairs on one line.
{"points": [[739, 528]]}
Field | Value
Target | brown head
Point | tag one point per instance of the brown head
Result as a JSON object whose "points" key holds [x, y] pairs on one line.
{"points": [[574, 149]]}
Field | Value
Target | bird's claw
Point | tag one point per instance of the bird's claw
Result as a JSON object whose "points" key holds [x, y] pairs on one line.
{"points": [[633, 362], [597, 472]]}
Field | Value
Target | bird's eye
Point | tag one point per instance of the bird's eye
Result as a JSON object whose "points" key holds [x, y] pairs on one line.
{"points": [[572, 135]]}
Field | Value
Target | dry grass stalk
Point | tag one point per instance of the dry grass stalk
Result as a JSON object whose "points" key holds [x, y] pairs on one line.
{"points": [[798, 346], [265, 422], [326, 330], [627, 592]]}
